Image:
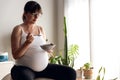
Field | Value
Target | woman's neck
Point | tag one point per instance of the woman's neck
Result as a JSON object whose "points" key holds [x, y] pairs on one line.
{"points": [[29, 27]]}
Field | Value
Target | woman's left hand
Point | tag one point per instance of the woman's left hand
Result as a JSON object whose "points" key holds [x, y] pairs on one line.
{"points": [[50, 51]]}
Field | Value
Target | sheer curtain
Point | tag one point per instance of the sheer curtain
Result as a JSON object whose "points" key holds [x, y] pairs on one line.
{"points": [[95, 26], [77, 15], [105, 36]]}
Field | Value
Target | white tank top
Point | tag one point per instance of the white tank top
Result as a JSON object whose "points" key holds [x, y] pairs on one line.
{"points": [[35, 57]]}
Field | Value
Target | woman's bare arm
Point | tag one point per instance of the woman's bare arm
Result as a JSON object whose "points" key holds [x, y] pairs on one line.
{"points": [[17, 50]]}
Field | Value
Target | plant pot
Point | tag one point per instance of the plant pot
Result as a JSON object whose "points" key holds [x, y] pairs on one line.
{"points": [[79, 73], [88, 73]]}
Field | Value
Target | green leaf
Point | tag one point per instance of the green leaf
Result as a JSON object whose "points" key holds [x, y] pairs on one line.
{"points": [[100, 69], [103, 73], [87, 65], [98, 77], [103, 78]]}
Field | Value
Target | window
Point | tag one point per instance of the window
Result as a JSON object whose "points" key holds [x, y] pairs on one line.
{"points": [[77, 16], [96, 29], [105, 28]]}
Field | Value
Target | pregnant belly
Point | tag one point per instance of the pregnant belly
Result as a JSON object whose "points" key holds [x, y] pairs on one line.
{"points": [[39, 63], [35, 61]]}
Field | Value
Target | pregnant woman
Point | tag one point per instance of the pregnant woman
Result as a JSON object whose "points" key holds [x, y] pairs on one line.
{"points": [[31, 61]]}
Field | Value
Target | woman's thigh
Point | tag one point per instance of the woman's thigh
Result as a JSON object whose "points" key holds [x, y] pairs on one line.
{"points": [[58, 72]]}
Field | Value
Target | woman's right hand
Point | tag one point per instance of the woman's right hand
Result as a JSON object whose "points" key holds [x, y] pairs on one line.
{"points": [[29, 38]]}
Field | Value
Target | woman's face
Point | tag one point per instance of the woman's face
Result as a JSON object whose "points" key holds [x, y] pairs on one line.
{"points": [[31, 17]]}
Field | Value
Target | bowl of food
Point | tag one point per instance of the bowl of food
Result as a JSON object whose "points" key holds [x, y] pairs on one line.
{"points": [[47, 47]]}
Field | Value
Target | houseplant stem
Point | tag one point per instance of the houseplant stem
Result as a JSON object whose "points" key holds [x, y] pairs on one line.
{"points": [[65, 43]]}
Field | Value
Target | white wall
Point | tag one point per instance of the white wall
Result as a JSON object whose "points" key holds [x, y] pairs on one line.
{"points": [[10, 15]]}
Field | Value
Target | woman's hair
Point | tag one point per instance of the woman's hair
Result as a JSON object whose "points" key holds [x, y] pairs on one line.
{"points": [[32, 7]]}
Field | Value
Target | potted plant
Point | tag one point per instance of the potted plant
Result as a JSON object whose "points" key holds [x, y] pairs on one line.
{"points": [[87, 71], [63, 60], [70, 53]]}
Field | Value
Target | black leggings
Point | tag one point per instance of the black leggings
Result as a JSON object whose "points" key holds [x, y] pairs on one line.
{"points": [[53, 71]]}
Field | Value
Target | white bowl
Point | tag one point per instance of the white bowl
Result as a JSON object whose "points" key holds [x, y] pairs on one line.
{"points": [[47, 47]]}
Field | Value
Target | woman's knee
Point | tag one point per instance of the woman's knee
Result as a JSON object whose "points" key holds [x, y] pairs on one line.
{"points": [[71, 72], [68, 73], [22, 73]]}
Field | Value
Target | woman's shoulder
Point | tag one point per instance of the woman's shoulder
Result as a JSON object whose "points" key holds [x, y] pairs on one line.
{"points": [[42, 31], [17, 29], [40, 27]]}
